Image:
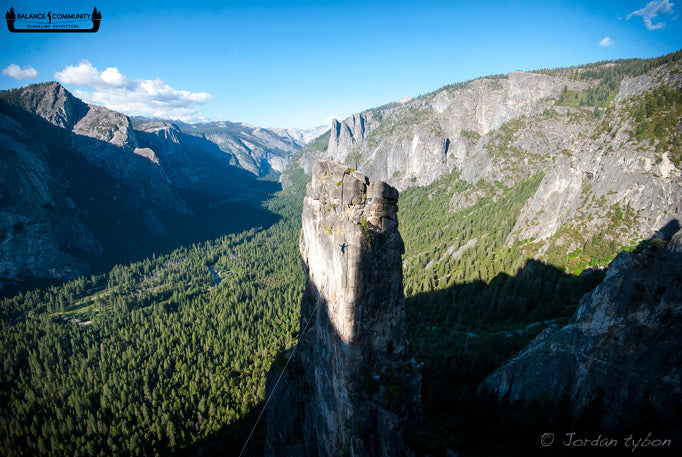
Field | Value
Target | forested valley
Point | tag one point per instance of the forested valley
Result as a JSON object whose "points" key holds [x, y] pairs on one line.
{"points": [[169, 353]]}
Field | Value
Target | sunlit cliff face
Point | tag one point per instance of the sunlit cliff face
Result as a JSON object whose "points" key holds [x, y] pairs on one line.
{"points": [[345, 220], [353, 345]]}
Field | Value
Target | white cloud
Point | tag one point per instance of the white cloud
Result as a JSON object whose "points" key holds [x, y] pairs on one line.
{"points": [[112, 77], [18, 73], [651, 11], [607, 42], [84, 74], [147, 97]]}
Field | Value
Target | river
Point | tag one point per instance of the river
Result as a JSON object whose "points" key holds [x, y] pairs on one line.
{"points": [[216, 278]]}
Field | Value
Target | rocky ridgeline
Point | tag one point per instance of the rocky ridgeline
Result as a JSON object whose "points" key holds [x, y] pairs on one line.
{"points": [[258, 150], [104, 138], [59, 152], [500, 130], [349, 387], [621, 349], [416, 141]]}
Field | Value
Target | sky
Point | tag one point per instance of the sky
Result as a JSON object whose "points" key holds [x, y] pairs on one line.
{"points": [[298, 64]]}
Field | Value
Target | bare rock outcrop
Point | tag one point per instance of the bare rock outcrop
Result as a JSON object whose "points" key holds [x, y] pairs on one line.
{"points": [[621, 349], [39, 223], [350, 387], [104, 138], [603, 174]]}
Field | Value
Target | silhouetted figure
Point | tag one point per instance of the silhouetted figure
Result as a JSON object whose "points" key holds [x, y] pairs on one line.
{"points": [[343, 247]]}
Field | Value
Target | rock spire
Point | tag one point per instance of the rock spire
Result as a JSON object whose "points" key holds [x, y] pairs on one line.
{"points": [[350, 387]]}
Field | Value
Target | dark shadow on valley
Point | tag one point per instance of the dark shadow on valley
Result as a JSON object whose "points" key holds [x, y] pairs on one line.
{"points": [[230, 439], [220, 200], [463, 333]]}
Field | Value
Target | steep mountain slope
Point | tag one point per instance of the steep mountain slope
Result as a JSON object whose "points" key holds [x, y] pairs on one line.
{"points": [[415, 141], [36, 213], [301, 136], [84, 189], [607, 137], [260, 151], [74, 191], [621, 349], [103, 137], [195, 165]]}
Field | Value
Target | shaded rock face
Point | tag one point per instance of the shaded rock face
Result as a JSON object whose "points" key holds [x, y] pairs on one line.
{"points": [[187, 160], [104, 138], [623, 347], [67, 166], [349, 388], [59, 155], [38, 220]]}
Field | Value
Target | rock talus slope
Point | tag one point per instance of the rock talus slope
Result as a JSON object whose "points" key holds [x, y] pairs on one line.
{"points": [[350, 387]]}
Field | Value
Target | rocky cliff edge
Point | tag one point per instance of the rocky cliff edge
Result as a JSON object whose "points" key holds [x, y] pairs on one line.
{"points": [[350, 387], [622, 349]]}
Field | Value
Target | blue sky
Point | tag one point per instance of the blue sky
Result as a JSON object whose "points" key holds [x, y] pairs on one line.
{"points": [[297, 64]]}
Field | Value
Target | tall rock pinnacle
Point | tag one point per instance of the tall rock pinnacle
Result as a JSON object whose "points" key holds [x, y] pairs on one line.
{"points": [[350, 387]]}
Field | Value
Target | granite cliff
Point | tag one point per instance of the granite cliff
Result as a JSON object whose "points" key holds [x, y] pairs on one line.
{"points": [[71, 170], [412, 142], [80, 181], [605, 135], [39, 222], [349, 387], [102, 137], [621, 350]]}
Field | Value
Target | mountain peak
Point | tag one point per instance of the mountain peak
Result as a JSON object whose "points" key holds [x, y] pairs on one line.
{"points": [[50, 100]]}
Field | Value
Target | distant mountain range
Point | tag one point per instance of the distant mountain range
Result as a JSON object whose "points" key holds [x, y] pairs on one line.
{"points": [[263, 152]]}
